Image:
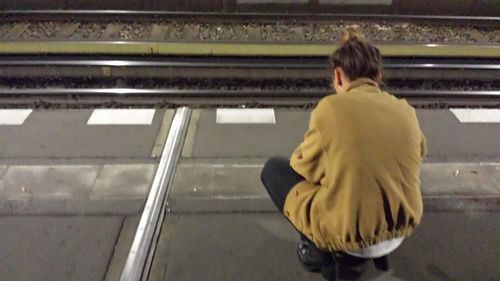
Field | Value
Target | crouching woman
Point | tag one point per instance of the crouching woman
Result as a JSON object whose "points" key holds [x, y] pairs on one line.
{"points": [[352, 186]]}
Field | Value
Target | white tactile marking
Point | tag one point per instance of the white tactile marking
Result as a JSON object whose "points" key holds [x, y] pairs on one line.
{"points": [[356, 2], [121, 117], [477, 115], [245, 116], [14, 116], [271, 1]]}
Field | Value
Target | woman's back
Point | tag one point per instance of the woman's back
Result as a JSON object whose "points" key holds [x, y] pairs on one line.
{"points": [[353, 183], [368, 189]]}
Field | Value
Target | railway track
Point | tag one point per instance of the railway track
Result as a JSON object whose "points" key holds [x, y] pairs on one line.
{"points": [[262, 17], [436, 7], [235, 67], [138, 45], [237, 27], [403, 64], [126, 97], [66, 81]]}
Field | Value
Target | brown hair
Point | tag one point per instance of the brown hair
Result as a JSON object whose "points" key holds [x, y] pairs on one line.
{"points": [[357, 57]]}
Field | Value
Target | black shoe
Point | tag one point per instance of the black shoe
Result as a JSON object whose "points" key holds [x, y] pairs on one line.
{"points": [[330, 272], [344, 259], [312, 258], [382, 263]]}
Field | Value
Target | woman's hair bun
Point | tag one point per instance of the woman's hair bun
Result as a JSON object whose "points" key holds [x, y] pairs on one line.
{"points": [[357, 57], [351, 34]]}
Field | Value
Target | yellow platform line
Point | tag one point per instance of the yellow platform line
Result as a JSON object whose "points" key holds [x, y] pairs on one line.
{"points": [[235, 49]]}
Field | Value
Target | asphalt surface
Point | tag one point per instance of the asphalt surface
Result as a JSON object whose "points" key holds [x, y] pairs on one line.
{"points": [[254, 246], [448, 139], [222, 225], [71, 196]]}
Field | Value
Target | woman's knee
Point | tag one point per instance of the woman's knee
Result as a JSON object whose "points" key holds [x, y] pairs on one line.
{"points": [[273, 166]]}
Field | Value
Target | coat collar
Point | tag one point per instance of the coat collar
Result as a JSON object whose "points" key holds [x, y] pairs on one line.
{"points": [[361, 82]]}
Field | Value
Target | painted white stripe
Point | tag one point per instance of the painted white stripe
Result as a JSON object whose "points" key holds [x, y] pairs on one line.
{"points": [[272, 1], [121, 117], [245, 116], [14, 116], [223, 166], [477, 115], [355, 2]]}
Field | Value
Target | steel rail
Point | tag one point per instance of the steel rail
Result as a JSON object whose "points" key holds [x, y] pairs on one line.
{"points": [[237, 49], [135, 265], [211, 93], [292, 64], [228, 15]]}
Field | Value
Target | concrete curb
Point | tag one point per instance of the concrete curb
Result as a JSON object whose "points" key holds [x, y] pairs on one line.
{"points": [[118, 189], [233, 185]]}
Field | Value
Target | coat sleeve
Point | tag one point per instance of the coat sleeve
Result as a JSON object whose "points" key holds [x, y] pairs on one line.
{"points": [[423, 146], [307, 159], [423, 139]]}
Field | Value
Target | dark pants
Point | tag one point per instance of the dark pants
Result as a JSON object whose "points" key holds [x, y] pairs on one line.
{"points": [[278, 179]]}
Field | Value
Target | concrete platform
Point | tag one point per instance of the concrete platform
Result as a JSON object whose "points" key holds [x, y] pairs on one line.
{"points": [[65, 134], [248, 247], [233, 185], [71, 193], [122, 247], [57, 248], [95, 179], [118, 189], [448, 139], [57, 162], [223, 226]]}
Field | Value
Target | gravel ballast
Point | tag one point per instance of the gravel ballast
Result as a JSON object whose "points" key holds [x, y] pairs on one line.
{"points": [[254, 32]]}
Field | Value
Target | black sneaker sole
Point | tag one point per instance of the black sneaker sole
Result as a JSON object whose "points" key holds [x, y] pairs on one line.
{"points": [[316, 268], [330, 272]]}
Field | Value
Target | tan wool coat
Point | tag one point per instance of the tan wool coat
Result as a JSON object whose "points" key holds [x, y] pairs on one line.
{"points": [[361, 159]]}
